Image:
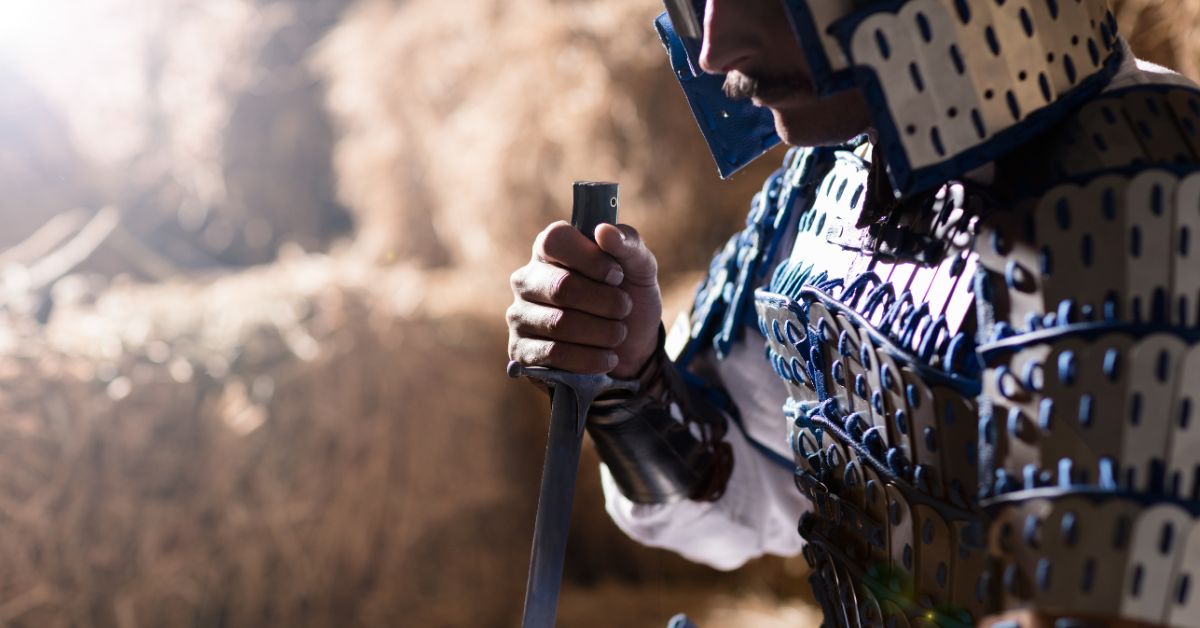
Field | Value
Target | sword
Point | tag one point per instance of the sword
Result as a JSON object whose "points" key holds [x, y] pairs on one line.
{"points": [[570, 397]]}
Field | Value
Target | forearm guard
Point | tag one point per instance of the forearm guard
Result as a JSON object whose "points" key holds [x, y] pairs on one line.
{"points": [[654, 456]]}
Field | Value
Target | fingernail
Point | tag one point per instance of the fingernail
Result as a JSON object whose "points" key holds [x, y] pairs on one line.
{"points": [[622, 234], [612, 360], [615, 277]]}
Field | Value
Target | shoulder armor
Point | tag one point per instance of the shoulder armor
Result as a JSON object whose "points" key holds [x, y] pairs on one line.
{"points": [[1122, 130], [955, 84], [1116, 248], [1089, 306]]}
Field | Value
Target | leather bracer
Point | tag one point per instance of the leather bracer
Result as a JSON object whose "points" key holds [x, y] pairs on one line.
{"points": [[662, 443]]}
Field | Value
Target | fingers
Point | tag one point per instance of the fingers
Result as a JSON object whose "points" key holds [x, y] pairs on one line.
{"points": [[565, 246], [530, 320], [561, 355], [543, 283], [583, 306], [624, 243]]}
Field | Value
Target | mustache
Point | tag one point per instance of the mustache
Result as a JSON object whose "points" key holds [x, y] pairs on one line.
{"points": [[741, 86]]}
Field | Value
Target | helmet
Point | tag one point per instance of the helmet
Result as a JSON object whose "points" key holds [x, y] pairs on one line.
{"points": [[951, 84]]}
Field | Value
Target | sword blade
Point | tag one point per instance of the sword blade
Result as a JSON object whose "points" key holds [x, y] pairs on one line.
{"points": [[555, 499]]}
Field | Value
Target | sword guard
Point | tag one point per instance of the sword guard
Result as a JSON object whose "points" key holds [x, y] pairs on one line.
{"points": [[585, 387]]}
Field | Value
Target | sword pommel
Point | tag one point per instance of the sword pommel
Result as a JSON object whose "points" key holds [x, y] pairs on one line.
{"points": [[595, 203], [515, 369]]}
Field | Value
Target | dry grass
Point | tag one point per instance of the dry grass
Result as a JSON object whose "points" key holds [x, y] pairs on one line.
{"points": [[1166, 32], [296, 448], [463, 130]]}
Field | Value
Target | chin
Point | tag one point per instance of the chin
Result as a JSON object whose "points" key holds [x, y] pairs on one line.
{"points": [[830, 121]]}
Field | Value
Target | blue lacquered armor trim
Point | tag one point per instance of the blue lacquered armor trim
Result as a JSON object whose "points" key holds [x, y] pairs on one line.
{"points": [[724, 303], [691, 45], [825, 79], [737, 132]]}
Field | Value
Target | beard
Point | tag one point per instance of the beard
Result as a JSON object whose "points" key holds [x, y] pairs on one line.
{"points": [[741, 86]]}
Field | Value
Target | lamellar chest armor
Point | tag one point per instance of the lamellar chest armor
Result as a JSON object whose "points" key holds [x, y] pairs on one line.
{"points": [[991, 384]]}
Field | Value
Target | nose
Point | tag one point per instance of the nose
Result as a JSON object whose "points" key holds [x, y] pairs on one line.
{"points": [[729, 37]]}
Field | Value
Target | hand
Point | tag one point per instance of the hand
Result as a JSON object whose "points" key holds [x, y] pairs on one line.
{"points": [[586, 307]]}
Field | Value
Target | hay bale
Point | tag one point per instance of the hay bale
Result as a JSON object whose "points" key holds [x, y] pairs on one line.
{"points": [[312, 443], [1166, 32], [462, 131], [278, 448]]}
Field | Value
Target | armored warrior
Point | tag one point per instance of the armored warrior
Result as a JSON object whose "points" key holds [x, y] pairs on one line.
{"points": [[956, 343]]}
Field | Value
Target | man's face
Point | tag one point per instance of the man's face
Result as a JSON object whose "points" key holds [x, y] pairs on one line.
{"points": [[752, 41]]}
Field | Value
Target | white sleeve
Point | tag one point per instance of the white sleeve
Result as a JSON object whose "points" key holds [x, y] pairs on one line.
{"points": [[761, 507]]}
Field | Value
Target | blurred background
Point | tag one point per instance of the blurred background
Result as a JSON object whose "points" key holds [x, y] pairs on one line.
{"points": [[253, 273]]}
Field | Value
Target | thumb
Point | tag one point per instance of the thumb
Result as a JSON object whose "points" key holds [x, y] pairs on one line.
{"points": [[625, 245]]}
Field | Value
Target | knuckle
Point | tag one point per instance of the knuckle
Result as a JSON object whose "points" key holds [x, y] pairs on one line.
{"points": [[619, 333], [651, 261], [619, 304], [556, 321], [550, 237], [561, 285], [557, 228], [540, 239], [531, 352], [517, 279]]}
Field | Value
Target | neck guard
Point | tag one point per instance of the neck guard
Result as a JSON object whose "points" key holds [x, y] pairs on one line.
{"points": [[955, 84]]}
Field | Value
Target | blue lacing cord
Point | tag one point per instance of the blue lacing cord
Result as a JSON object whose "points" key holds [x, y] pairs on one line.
{"points": [[875, 299], [722, 401], [897, 310], [852, 292]]}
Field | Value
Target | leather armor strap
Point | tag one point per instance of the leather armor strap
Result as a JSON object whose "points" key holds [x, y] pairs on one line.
{"points": [[653, 456]]}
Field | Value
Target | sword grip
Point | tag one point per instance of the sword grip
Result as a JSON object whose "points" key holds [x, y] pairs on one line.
{"points": [[595, 203]]}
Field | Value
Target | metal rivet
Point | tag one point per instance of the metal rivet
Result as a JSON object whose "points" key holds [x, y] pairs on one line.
{"points": [[1069, 528], [930, 439]]}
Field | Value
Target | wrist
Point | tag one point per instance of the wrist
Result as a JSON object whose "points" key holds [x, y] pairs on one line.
{"points": [[661, 445]]}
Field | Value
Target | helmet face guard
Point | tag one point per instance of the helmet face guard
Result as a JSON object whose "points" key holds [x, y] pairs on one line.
{"points": [[687, 18], [951, 84], [737, 131]]}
